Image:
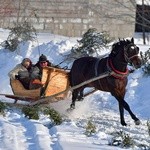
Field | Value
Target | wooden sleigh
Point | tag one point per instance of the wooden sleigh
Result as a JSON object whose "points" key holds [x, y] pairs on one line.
{"points": [[53, 81]]}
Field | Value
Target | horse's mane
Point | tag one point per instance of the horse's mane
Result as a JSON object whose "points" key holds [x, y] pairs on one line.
{"points": [[122, 42], [119, 45]]}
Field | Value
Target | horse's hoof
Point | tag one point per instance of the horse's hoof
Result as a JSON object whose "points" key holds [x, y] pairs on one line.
{"points": [[137, 122], [72, 106], [123, 124], [80, 99], [69, 110]]}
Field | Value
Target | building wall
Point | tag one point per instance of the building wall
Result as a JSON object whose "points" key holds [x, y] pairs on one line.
{"points": [[71, 17]]}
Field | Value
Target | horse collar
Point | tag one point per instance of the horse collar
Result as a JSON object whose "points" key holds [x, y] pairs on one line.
{"points": [[116, 73]]}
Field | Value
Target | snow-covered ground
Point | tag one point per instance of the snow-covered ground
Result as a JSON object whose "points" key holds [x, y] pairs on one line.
{"points": [[20, 133]]}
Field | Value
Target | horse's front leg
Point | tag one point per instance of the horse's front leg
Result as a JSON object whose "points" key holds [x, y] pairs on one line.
{"points": [[126, 106], [119, 98], [123, 104], [121, 110]]}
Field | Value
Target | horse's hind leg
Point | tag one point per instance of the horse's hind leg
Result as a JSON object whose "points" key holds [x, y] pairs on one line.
{"points": [[121, 110], [74, 97], [80, 95]]}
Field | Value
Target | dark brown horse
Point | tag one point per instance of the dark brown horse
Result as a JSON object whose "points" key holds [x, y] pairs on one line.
{"points": [[85, 68]]}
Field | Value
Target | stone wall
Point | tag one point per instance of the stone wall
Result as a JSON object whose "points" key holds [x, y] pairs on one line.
{"points": [[71, 17]]}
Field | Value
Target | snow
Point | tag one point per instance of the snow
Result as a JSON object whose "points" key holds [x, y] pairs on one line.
{"points": [[19, 133], [146, 2]]}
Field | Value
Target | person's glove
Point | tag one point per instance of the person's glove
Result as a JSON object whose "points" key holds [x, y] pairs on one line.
{"points": [[131, 70], [17, 77]]}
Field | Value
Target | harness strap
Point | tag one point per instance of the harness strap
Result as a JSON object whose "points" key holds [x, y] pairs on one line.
{"points": [[96, 71], [96, 67]]}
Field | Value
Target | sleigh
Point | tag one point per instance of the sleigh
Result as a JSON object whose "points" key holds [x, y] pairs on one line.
{"points": [[53, 81]]}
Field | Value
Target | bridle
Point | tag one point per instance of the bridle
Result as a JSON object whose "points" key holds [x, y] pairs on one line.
{"points": [[126, 57]]}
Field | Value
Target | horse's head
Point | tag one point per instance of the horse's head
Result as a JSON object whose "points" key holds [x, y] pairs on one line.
{"points": [[131, 52], [127, 51]]}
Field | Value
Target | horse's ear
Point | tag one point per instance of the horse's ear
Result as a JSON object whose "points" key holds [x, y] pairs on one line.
{"points": [[132, 40]]}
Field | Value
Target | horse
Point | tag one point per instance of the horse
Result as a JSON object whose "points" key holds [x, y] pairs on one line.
{"points": [[85, 68]]}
